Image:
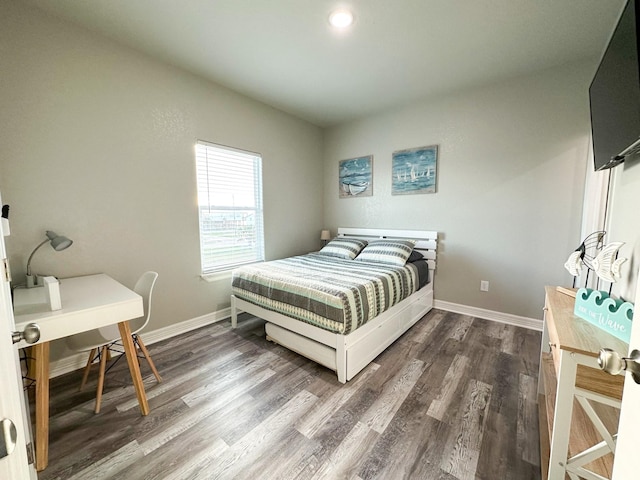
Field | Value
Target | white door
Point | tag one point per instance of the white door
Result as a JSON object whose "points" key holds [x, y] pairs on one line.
{"points": [[15, 465], [625, 464]]}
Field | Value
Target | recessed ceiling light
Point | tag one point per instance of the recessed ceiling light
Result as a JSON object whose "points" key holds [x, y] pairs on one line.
{"points": [[341, 18]]}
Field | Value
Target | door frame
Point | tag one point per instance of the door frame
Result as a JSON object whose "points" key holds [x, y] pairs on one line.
{"points": [[12, 401]]}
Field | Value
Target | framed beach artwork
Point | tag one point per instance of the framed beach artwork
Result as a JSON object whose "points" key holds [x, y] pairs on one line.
{"points": [[355, 177], [414, 170]]}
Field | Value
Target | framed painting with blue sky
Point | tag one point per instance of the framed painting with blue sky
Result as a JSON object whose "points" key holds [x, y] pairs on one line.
{"points": [[355, 177], [414, 170]]}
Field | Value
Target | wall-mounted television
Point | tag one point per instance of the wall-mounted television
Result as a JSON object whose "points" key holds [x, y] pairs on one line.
{"points": [[614, 94]]}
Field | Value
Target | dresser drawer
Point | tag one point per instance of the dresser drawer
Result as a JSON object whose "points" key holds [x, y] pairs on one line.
{"points": [[554, 342]]}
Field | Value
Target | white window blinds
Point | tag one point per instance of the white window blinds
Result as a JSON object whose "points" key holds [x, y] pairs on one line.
{"points": [[230, 207]]}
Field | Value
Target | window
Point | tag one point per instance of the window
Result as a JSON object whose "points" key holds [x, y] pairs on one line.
{"points": [[229, 206]]}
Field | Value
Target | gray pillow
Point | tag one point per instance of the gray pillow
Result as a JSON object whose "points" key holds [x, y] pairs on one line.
{"points": [[347, 248], [392, 252]]}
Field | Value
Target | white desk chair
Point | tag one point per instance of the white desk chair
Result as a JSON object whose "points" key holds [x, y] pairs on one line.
{"points": [[99, 341]]}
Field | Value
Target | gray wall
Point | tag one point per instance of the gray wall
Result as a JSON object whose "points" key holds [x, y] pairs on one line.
{"points": [[97, 143], [511, 168]]}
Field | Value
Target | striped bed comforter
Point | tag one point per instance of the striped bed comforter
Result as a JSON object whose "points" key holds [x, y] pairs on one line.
{"points": [[328, 292]]}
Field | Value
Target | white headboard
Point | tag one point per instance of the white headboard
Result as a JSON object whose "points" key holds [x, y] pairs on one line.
{"points": [[426, 241]]}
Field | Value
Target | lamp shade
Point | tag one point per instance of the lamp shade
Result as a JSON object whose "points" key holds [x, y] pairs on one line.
{"points": [[325, 235], [58, 242]]}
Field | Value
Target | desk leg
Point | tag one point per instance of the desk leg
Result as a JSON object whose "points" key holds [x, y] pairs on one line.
{"points": [[562, 415], [41, 360], [134, 367]]}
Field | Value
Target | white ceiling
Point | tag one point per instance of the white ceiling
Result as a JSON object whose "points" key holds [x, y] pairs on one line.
{"points": [[285, 54]]}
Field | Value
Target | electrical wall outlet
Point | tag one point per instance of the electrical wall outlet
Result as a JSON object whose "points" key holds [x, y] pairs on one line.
{"points": [[484, 285]]}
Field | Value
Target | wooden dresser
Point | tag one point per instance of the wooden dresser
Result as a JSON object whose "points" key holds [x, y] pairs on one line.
{"points": [[578, 403]]}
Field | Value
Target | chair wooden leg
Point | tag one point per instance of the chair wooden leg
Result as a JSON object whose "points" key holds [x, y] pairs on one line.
{"points": [[103, 362], [148, 357], [87, 368]]}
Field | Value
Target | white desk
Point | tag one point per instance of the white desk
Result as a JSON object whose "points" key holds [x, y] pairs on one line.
{"points": [[88, 302]]}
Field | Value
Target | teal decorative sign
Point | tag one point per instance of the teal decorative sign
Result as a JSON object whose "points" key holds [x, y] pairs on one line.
{"points": [[611, 315]]}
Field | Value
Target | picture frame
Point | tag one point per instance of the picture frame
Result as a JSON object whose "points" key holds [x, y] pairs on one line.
{"points": [[355, 177], [414, 170]]}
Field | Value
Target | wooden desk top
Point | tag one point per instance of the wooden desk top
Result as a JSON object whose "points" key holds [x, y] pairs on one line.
{"points": [[88, 302], [575, 334]]}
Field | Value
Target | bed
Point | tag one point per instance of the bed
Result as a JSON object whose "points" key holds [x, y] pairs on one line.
{"points": [[340, 330]]}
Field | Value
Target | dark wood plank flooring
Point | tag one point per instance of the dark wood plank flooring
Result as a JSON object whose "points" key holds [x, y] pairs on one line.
{"points": [[454, 398]]}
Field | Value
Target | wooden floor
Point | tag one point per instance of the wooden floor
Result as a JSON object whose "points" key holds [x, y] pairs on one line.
{"points": [[454, 398]]}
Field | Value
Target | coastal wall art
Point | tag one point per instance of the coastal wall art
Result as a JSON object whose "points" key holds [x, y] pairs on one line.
{"points": [[414, 170], [355, 177]]}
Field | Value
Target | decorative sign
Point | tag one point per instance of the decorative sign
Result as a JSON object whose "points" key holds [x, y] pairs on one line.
{"points": [[611, 315]]}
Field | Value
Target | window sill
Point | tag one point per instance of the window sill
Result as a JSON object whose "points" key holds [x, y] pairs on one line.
{"points": [[216, 276], [224, 274]]}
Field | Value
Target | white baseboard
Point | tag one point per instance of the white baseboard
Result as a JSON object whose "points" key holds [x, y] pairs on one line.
{"points": [[79, 360], [530, 323]]}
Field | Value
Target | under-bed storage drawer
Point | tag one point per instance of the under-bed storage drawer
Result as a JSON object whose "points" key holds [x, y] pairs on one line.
{"points": [[304, 346]]}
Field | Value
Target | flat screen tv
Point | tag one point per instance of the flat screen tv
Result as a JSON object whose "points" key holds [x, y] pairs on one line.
{"points": [[614, 94]]}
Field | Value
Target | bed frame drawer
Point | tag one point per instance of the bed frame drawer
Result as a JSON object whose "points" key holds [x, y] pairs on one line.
{"points": [[304, 346]]}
